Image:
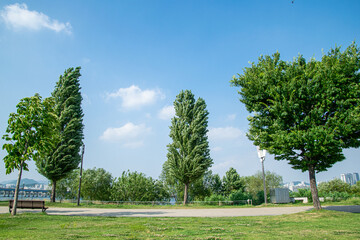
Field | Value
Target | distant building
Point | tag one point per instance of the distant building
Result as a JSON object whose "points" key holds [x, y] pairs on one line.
{"points": [[350, 178], [295, 185], [356, 177]]}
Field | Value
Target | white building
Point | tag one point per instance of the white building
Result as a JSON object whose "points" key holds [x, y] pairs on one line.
{"points": [[295, 185]]}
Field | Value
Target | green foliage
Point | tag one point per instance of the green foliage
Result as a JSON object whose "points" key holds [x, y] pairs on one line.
{"points": [[27, 135], [201, 188], [336, 190], [302, 192], [96, 184], [67, 137], [215, 198], [68, 187], [28, 132], [304, 112], [356, 188], [239, 195], [134, 186], [254, 183], [216, 184], [335, 185], [232, 182], [188, 154]]}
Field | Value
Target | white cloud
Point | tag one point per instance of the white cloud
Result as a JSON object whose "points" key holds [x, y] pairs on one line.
{"points": [[134, 97], [231, 117], [166, 112], [223, 166], [17, 16], [216, 149], [130, 135], [225, 133]]}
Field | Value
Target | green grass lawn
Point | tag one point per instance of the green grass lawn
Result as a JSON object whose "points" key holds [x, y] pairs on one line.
{"points": [[307, 225]]}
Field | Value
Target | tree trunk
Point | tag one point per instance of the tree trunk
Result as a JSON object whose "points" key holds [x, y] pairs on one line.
{"points": [[186, 193], [313, 187], [13, 212], [53, 192]]}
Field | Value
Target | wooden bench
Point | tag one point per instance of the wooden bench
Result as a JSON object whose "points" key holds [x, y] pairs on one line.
{"points": [[30, 204]]}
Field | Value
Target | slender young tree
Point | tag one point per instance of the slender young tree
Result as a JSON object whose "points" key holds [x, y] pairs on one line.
{"points": [[67, 139], [188, 155], [27, 135], [304, 112]]}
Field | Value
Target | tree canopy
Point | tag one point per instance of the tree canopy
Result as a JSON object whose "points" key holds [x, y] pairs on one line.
{"points": [[134, 186], [96, 184], [67, 138], [232, 182], [27, 135], [188, 155], [304, 112]]}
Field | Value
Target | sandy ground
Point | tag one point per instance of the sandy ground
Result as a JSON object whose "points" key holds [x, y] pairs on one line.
{"points": [[217, 212]]}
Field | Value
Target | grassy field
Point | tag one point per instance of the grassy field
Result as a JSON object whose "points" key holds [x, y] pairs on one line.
{"points": [[307, 225]]}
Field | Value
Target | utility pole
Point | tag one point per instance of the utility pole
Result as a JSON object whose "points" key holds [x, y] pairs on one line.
{"points": [[81, 167]]}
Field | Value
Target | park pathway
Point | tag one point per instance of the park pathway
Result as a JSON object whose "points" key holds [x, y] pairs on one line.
{"points": [[210, 212]]}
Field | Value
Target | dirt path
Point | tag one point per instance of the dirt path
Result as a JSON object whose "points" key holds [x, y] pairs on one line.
{"points": [[213, 212]]}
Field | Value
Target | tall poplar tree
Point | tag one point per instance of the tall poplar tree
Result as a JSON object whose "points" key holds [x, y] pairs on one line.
{"points": [[304, 112], [67, 140], [188, 155]]}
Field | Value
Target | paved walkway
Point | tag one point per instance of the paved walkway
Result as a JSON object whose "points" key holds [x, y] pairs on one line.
{"points": [[212, 212]]}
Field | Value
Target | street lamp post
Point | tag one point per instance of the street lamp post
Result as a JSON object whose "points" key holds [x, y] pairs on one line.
{"points": [[81, 167], [261, 154]]}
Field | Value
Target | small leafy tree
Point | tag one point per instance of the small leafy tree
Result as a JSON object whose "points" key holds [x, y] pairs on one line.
{"points": [[134, 186], [254, 184], [304, 112], [188, 155], [68, 130], [232, 182], [27, 134], [216, 184]]}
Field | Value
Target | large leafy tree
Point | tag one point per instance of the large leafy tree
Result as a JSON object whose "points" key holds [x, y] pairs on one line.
{"points": [[67, 139], [27, 135], [304, 112], [188, 155]]}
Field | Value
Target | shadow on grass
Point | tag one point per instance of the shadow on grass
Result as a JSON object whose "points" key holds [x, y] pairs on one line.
{"points": [[350, 209]]}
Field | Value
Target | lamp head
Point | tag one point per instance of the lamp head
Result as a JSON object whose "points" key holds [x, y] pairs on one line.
{"points": [[261, 152]]}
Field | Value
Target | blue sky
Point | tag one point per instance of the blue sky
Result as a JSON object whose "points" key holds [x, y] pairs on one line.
{"points": [[136, 56]]}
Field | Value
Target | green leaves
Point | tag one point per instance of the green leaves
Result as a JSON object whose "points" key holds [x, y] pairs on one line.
{"points": [[27, 132], [304, 112], [189, 155], [134, 186], [67, 129]]}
